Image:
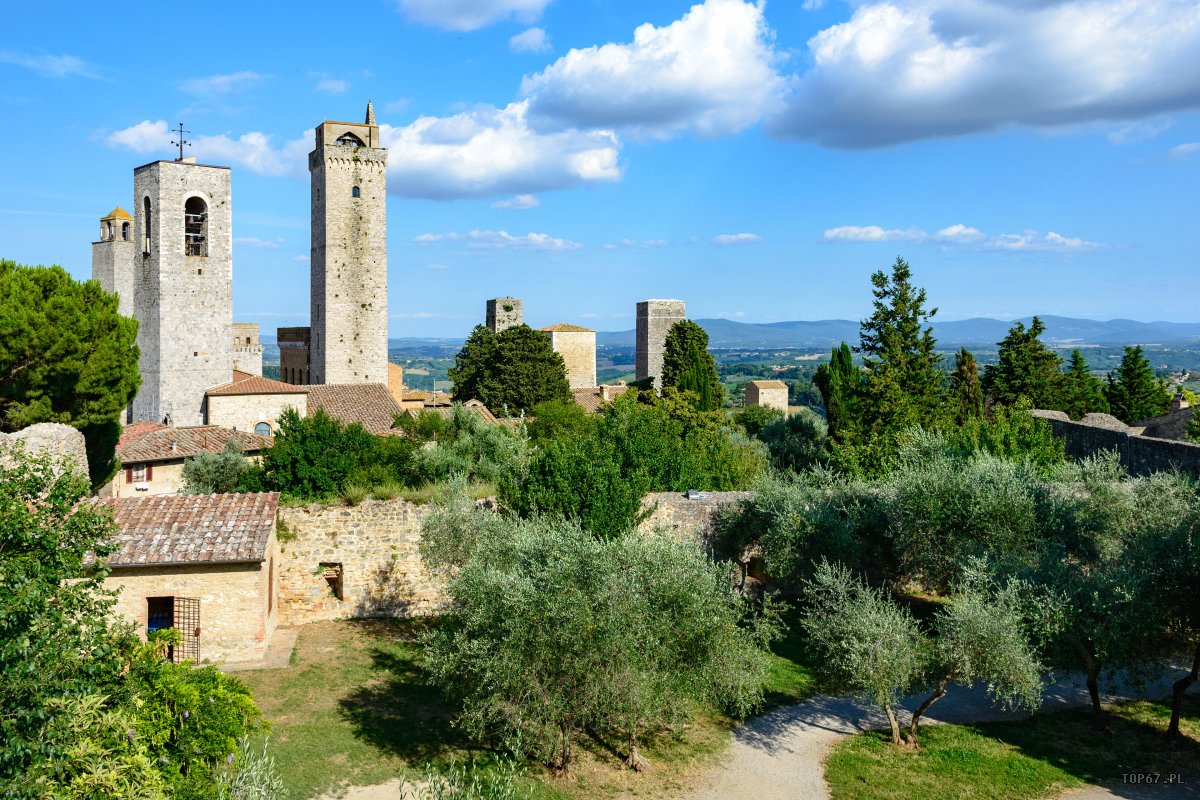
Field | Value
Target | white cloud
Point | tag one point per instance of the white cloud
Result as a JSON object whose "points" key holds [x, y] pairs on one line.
{"points": [[589, 315], [301, 258], [737, 238], [531, 40], [253, 241], [902, 70], [332, 86], [221, 84], [1034, 241], [1184, 150], [497, 240], [520, 201], [468, 15], [48, 65], [960, 233], [644, 244], [490, 151], [731, 314], [873, 233], [413, 315], [711, 72], [436, 266], [253, 150]]}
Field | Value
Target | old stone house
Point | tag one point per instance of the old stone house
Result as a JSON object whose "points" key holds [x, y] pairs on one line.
{"points": [[253, 403], [772, 394], [203, 564], [152, 455], [593, 398]]}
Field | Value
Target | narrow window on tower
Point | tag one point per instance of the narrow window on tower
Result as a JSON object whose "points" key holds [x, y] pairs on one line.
{"points": [[195, 227], [355, 192], [125, 231], [149, 221]]}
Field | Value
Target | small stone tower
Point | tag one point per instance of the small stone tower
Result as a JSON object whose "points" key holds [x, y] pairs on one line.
{"points": [[577, 346], [112, 258], [504, 312], [349, 254], [247, 349], [182, 287], [654, 320]]}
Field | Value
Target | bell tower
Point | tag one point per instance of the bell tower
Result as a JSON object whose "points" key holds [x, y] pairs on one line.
{"points": [[349, 254], [112, 258]]}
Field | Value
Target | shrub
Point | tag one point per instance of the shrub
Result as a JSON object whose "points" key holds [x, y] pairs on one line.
{"points": [[798, 441], [210, 473], [554, 630], [253, 776], [475, 448], [354, 493], [754, 418]]}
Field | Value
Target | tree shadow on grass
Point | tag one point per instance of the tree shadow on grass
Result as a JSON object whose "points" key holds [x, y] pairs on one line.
{"points": [[401, 711]]}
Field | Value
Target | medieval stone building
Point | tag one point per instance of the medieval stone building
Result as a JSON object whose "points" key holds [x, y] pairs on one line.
{"points": [[654, 320], [577, 346], [772, 394]]}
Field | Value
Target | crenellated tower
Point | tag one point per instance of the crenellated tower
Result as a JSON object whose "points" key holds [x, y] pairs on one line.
{"points": [[348, 340]]}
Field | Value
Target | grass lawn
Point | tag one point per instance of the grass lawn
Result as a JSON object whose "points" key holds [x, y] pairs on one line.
{"points": [[354, 708], [1033, 758]]}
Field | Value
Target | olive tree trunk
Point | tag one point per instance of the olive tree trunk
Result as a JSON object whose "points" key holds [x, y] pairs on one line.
{"points": [[938, 694]]}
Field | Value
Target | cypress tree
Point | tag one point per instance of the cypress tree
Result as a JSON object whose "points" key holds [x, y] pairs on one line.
{"points": [[838, 382], [1082, 393], [688, 366], [1134, 392], [966, 394]]}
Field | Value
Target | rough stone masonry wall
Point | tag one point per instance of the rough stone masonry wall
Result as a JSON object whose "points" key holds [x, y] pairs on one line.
{"points": [[578, 350], [674, 514], [112, 266], [349, 265], [1141, 455], [183, 304], [504, 312], [244, 411], [654, 321], [377, 545]]}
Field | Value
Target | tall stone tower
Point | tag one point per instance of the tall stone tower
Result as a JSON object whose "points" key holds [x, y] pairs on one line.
{"points": [[182, 287], [654, 319], [349, 254], [112, 258], [504, 312]]}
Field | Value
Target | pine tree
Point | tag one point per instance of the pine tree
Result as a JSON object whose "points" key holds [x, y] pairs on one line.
{"points": [[1082, 392], [471, 363], [966, 394], [1134, 392], [838, 381], [688, 366], [509, 372], [1027, 372], [904, 377]]}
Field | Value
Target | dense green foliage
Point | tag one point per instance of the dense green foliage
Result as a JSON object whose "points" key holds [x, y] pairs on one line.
{"points": [[1133, 392], [1082, 392], [688, 367], [469, 446], [509, 372], [1027, 372], [640, 443], [555, 631], [966, 392], [839, 382], [754, 419], [214, 472], [87, 709], [797, 442], [66, 356]]}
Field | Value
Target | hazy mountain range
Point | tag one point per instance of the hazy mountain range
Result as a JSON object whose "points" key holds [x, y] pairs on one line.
{"points": [[981, 331]]}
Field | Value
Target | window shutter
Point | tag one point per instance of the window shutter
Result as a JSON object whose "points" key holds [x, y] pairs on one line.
{"points": [[149, 472], [129, 474]]}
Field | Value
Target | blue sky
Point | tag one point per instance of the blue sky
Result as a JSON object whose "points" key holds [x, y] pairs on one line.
{"points": [[757, 160]]}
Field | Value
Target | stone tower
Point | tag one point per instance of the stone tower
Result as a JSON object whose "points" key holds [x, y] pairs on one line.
{"points": [[349, 254], [504, 312], [112, 258], [182, 287], [247, 349], [577, 346], [654, 319]]}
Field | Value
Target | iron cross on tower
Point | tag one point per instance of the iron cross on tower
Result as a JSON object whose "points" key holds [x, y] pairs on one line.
{"points": [[182, 142]]}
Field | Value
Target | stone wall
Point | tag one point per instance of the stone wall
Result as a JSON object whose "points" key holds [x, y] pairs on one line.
{"points": [[1172, 425], [1141, 455], [772, 394], [64, 443], [244, 411], [376, 545], [675, 514], [504, 312], [578, 350], [654, 320], [247, 348], [112, 266]]}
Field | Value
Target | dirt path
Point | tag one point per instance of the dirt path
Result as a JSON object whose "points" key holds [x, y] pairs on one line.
{"points": [[780, 756]]}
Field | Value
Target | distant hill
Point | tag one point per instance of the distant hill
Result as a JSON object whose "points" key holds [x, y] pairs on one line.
{"points": [[727, 334]]}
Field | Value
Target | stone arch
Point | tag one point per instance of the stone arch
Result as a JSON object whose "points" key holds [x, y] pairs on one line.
{"points": [[195, 226]]}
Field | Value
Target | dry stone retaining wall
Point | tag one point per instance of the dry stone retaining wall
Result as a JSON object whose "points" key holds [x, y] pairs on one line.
{"points": [[1141, 455]]}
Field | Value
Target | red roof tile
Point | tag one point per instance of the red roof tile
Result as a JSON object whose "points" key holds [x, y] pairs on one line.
{"points": [[566, 327], [768, 384], [131, 432], [167, 444], [192, 528], [245, 383], [369, 404]]}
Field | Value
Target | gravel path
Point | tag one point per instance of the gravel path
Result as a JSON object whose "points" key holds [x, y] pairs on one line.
{"points": [[779, 756]]}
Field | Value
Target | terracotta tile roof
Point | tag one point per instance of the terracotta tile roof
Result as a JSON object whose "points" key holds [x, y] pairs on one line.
{"points": [[474, 406], [167, 444], [192, 528], [369, 404], [246, 383], [131, 432], [768, 384], [566, 327], [592, 398]]}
